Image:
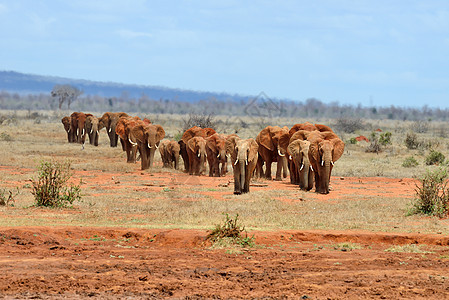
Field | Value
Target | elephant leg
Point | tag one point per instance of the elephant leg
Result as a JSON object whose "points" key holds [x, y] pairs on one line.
{"points": [[237, 190], [268, 169]]}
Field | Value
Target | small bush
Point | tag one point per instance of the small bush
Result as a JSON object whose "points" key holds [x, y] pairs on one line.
{"points": [[434, 158], [412, 141], [231, 231], [200, 120], [349, 125], [432, 194], [352, 141], [7, 197], [410, 162], [420, 126], [385, 138], [5, 137], [375, 146], [51, 188]]}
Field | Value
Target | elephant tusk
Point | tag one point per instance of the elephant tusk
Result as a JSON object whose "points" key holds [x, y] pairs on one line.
{"points": [[302, 167], [199, 155], [156, 146], [246, 161], [322, 163], [218, 156], [236, 162], [90, 131], [311, 168], [82, 133], [131, 142], [332, 163], [290, 157], [280, 154], [98, 133], [109, 130], [149, 146]]}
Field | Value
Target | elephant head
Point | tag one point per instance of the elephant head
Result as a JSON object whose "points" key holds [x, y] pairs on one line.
{"points": [[186, 136], [91, 127], [109, 120], [67, 122], [216, 154], [325, 149], [147, 137], [163, 151], [273, 142], [196, 149], [244, 155], [299, 152], [122, 129]]}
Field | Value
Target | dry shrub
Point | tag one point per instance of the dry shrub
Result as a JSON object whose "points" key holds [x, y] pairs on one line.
{"points": [[200, 120], [230, 230]]}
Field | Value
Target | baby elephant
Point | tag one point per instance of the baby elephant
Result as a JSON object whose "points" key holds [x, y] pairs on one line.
{"points": [[169, 153], [244, 160]]}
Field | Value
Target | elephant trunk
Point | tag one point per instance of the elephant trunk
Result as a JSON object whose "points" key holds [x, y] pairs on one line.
{"points": [[176, 160], [202, 166], [242, 166]]}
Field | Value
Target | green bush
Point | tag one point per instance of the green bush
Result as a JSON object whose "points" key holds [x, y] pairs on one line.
{"points": [[352, 141], [432, 194], [51, 188], [410, 162], [231, 230], [385, 138], [434, 158]]}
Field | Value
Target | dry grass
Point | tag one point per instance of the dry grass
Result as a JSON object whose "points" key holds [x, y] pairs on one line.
{"points": [[118, 202]]}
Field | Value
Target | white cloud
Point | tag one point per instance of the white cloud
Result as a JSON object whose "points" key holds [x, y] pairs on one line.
{"points": [[129, 34]]}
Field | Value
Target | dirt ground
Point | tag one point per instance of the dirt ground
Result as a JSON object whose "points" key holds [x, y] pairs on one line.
{"points": [[112, 263]]}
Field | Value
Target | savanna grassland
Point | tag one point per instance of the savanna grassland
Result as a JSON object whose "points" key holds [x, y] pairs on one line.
{"points": [[144, 231]]}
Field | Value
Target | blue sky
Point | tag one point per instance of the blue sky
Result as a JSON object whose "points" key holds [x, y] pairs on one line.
{"points": [[369, 52]]}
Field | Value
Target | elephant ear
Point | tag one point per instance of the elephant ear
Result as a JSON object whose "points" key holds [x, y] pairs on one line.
{"points": [[209, 131], [160, 132], [329, 135], [294, 129], [189, 133], [322, 128], [230, 147], [253, 150], [293, 148], [211, 142], [264, 138], [191, 144], [339, 148], [314, 155], [300, 135]]}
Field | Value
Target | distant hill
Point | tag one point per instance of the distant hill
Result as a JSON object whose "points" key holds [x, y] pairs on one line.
{"points": [[21, 83]]}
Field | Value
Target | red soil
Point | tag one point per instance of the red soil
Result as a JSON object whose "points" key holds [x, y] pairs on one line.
{"points": [[110, 263]]}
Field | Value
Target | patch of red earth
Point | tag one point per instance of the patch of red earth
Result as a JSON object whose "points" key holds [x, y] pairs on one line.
{"points": [[362, 138], [178, 264]]}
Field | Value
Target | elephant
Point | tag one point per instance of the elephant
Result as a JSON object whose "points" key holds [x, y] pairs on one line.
{"points": [[216, 154], [244, 156], [109, 120], [301, 171], [307, 126], [122, 129], [169, 151], [147, 138], [273, 143], [67, 122], [186, 136], [78, 125], [196, 150], [92, 128], [324, 150]]}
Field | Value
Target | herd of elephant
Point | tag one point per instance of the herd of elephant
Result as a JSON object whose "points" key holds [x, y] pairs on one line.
{"points": [[307, 151]]}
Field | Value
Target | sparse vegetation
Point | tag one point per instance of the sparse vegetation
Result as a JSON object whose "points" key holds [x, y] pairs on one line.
{"points": [[349, 125], [51, 188], [7, 197], [432, 194], [409, 248], [412, 141]]}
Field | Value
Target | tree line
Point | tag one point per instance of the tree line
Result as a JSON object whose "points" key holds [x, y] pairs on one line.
{"points": [[262, 106]]}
